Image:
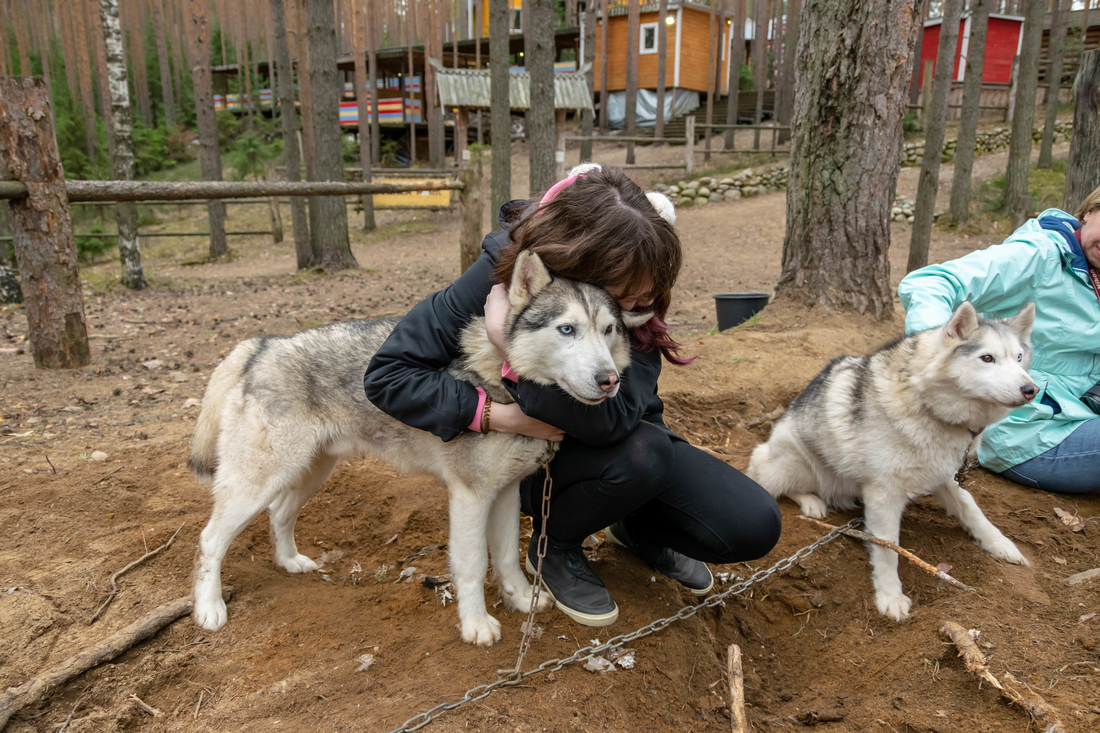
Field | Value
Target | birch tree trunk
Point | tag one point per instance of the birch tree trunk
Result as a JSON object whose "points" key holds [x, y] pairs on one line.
{"points": [[588, 118], [165, 67], [1023, 120], [328, 222], [968, 118], [365, 133], [122, 161], [299, 220], [852, 68], [1082, 173], [209, 157], [500, 124], [1061, 9], [538, 43]]}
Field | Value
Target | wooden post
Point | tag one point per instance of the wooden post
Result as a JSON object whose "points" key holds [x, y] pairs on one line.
{"points": [[471, 205], [1011, 111], [1082, 173], [926, 92], [689, 146], [41, 226], [559, 147]]}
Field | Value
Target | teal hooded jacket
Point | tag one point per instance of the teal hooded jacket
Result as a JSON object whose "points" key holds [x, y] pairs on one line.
{"points": [[1040, 262]]}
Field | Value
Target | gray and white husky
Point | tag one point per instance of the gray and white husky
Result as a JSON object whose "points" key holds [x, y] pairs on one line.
{"points": [[896, 425], [281, 411]]}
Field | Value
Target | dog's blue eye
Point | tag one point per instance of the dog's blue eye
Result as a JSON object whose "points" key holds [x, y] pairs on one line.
{"points": [[566, 330], [1019, 357], [987, 358]]}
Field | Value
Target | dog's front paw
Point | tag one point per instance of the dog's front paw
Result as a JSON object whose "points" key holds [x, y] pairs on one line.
{"points": [[297, 564], [210, 614], [482, 630], [894, 606], [1005, 549], [812, 505], [519, 598]]}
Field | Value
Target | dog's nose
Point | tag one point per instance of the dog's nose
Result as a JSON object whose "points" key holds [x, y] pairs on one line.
{"points": [[1028, 390], [607, 381]]}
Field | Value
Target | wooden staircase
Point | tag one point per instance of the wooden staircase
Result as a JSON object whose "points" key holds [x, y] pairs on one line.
{"points": [[746, 110]]}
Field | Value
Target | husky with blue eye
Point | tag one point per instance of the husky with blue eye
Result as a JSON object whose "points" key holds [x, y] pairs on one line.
{"points": [[281, 411], [896, 425]]}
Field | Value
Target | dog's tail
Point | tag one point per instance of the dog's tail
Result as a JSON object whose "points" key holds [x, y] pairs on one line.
{"points": [[759, 457], [204, 447]]}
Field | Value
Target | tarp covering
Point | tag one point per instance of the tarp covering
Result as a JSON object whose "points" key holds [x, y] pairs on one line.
{"points": [[680, 103]]}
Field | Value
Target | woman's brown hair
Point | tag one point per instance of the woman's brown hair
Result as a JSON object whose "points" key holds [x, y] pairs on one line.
{"points": [[602, 230]]}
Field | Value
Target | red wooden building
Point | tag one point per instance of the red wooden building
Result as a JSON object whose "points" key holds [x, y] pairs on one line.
{"points": [[1001, 44]]}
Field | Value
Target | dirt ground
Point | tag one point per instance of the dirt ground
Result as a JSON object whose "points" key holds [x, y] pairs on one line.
{"points": [[292, 655]]}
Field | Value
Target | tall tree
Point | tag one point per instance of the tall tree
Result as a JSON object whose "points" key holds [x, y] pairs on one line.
{"points": [[968, 119], [633, 22], [22, 43], [80, 60], [434, 115], [588, 116], [162, 61], [122, 159], [1082, 173], [604, 111], [132, 14], [72, 80], [918, 62], [410, 40], [305, 100], [372, 37], [95, 30], [786, 106], [538, 44], [737, 57], [1060, 11], [662, 63], [759, 61], [209, 157], [934, 129], [328, 215], [712, 42], [1019, 150], [852, 69], [1085, 25], [359, 51], [477, 64], [302, 250], [500, 123]]}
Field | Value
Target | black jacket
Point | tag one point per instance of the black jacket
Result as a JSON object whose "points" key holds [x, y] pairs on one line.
{"points": [[405, 378]]}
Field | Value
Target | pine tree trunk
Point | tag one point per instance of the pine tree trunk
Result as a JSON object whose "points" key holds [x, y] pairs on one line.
{"points": [[603, 66], [737, 58], [305, 91], [328, 222], [787, 105], [500, 123], [372, 31], [588, 117], [477, 19], [712, 47], [359, 42], [209, 157], [273, 69], [633, 22], [851, 70], [84, 73], [95, 31], [968, 118], [165, 68], [1061, 9], [1082, 173], [759, 62], [538, 44], [918, 62], [137, 56], [662, 63], [410, 39], [1019, 151], [935, 128], [436, 143], [300, 221], [22, 44], [72, 80], [122, 161], [42, 227]]}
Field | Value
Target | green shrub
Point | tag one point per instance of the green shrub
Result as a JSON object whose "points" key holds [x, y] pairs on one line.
{"points": [[89, 248]]}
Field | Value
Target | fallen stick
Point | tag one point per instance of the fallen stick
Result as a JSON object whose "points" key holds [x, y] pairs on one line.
{"points": [[112, 473], [146, 706], [1011, 688], [739, 722], [135, 563], [868, 537], [34, 689]]}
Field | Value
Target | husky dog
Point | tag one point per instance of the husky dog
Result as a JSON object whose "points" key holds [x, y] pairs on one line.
{"points": [[896, 425], [280, 411]]}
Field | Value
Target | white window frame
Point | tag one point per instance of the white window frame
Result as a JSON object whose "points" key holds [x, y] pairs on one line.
{"points": [[642, 50]]}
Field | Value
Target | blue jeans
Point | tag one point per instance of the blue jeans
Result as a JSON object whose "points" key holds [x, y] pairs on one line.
{"points": [[1071, 467]]}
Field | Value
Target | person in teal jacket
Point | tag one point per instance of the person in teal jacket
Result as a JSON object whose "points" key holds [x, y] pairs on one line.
{"points": [[1053, 442]]}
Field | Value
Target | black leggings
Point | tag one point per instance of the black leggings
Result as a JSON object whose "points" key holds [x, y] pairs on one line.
{"points": [[671, 494]]}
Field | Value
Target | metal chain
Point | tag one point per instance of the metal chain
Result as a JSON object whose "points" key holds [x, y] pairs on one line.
{"points": [[513, 676], [552, 665]]}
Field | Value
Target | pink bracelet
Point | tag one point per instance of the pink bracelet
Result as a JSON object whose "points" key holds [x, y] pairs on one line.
{"points": [[475, 425]]}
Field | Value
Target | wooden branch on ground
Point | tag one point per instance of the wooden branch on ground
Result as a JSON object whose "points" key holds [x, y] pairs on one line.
{"points": [[739, 722], [867, 537], [1011, 688], [146, 706], [33, 690], [135, 563]]}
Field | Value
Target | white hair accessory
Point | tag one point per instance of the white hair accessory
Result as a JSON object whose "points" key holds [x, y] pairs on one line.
{"points": [[584, 168], [663, 205]]}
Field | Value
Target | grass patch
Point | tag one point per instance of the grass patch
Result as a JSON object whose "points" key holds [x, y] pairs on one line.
{"points": [[1046, 186]]}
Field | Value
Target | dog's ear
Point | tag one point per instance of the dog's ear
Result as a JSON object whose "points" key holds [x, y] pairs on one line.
{"points": [[663, 205], [963, 323], [529, 276], [633, 320], [1022, 322]]}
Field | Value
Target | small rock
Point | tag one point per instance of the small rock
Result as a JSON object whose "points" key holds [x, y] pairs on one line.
{"points": [[732, 195], [716, 198], [701, 200], [191, 402], [725, 182], [686, 202], [1079, 578], [704, 191], [152, 364], [99, 456], [177, 376]]}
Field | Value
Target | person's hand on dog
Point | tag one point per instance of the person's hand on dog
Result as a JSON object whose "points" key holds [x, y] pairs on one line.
{"points": [[509, 418], [497, 308]]}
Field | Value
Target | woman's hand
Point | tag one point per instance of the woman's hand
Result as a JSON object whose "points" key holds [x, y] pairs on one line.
{"points": [[497, 308], [509, 418]]}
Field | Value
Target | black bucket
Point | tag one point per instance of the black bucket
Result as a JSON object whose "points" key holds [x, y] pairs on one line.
{"points": [[736, 308]]}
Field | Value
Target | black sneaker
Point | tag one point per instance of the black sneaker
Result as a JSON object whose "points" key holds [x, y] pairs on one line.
{"points": [[576, 589], [692, 574]]}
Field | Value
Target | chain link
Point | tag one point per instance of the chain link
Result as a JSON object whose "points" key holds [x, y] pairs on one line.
{"points": [[552, 665]]}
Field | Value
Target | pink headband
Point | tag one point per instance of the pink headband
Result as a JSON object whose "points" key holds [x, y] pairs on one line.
{"points": [[559, 187]]}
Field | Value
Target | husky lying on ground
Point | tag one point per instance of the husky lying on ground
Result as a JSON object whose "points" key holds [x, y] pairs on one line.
{"points": [[280, 411], [896, 425]]}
